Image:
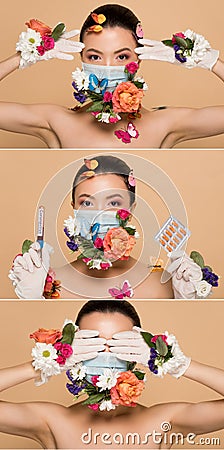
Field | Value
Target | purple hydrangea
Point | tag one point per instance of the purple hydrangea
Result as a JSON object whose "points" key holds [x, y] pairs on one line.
{"points": [[66, 232], [210, 277], [74, 389], [179, 56], [79, 95], [72, 246], [151, 362]]}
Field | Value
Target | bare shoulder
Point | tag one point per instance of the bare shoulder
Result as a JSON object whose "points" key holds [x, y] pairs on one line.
{"points": [[165, 411], [153, 287]]}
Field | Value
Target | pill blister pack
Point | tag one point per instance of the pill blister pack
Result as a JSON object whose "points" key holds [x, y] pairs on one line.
{"points": [[172, 235]]}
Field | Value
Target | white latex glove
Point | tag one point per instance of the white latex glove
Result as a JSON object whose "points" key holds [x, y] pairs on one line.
{"points": [[205, 58], [29, 272], [86, 345], [130, 346], [63, 46], [186, 274], [178, 364]]}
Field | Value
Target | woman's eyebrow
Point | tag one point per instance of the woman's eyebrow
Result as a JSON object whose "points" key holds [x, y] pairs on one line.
{"points": [[114, 195], [94, 50], [86, 195], [124, 49]]}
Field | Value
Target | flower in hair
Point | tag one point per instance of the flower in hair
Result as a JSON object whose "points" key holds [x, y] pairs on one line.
{"points": [[98, 19]]}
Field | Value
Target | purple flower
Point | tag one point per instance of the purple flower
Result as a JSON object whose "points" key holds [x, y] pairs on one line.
{"points": [[66, 232], [80, 97], [72, 246], [210, 277], [74, 389]]}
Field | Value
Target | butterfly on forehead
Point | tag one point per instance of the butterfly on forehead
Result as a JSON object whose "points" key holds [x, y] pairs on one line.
{"points": [[96, 85], [124, 291]]}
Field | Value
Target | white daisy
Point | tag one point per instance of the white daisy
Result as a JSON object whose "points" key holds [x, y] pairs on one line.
{"points": [[44, 359], [108, 379], [107, 405], [28, 42], [72, 226], [81, 79], [78, 372]]}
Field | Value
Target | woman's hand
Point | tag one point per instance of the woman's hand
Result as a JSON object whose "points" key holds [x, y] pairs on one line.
{"points": [[202, 55], [29, 272], [130, 346]]}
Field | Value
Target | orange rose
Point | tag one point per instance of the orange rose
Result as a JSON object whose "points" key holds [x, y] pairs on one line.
{"points": [[46, 336], [127, 98], [39, 26], [118, 244], [127, 389]]}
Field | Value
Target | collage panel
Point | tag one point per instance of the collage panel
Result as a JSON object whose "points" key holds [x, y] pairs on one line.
{"points": [[184, 401], [45, 105], [107, 228]]}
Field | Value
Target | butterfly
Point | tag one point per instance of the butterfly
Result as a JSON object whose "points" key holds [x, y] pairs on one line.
{"points": [[97, 85], [131, 178], [125, 291], [94, 231], [91, 164], [139, 30], [128, 134]]}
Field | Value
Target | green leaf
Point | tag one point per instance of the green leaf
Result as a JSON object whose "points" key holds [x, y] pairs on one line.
{"points": [[147, 338], [139, 375], [94, 95], [138, 84], [93, 399], [161, 346], [130, 230], [197, 258], [97, 106], [58, 31], [190, 44], [68, 333], [89, 253], [168, 42], [208, 267], [131, 365], [26, 245], [181, 42]]}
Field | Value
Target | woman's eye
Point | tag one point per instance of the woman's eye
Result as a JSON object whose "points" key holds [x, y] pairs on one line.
{"points": [[86, 203], [123, 57], [115, 203], [94, 57]]}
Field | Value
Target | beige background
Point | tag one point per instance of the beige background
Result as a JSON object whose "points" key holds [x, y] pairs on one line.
{"points": [[197, 175], [198, 339], [50, 82]]}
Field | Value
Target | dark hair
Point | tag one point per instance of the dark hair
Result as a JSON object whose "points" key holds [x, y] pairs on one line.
{"points": [[108, 306], [108, 164], [116, 16]]}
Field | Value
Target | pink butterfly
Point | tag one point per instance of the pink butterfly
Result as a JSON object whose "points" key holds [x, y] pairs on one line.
{"points": [[125, 291], [128, 134], [131, 178], [139, 30]]}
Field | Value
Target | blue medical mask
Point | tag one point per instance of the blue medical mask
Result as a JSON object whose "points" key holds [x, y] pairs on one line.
{"points": [[99, 74], [104, 360], [94, 223]]}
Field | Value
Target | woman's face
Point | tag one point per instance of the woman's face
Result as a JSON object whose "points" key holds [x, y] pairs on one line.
{"points": [[110, 47], [106, 323], [107, 191]]}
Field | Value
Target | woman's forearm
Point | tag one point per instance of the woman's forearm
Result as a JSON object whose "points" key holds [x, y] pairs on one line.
{"points": [[218, 69], [206, 375], [15, 375], [9, 65]]}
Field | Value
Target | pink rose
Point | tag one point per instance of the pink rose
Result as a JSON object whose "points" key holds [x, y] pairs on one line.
{"points": [[85, 260], [94, 379], [180, 34], [113, 119], [163, 337], [94, 407], [66, 350], [41, 50], [107, 97], [48, 42], [58, 346], [132, 67], [61, 360], [123, 214], [98, 243]]}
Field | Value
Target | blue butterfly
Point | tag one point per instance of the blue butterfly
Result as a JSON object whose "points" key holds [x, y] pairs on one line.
{"points": [[94, 230], [97, 85]]}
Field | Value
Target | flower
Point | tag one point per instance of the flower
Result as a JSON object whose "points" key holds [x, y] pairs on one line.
{"points": [[123, 214], [64, 349], [132, 67], [180, 34], [141, 80], [46, 336], [28, 42], [203, 289], [108, 379], [94, 379], [94, 406], [114, 119], [106, 405], [107, 97], [81, 79], [105, 265], [72, 246], [38, 26], [98, 243], [127, 97], [61, 360], [210, 277], [127, 389], [118, 244], [78, 371], [48, 42], [44, 359], [162, 336], [72, 226], [41, 50]]}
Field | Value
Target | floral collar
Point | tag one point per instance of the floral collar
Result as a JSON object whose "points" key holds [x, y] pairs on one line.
{"points": [[98, 253], [107, 106]]}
